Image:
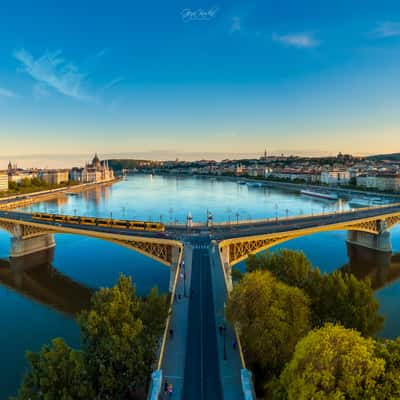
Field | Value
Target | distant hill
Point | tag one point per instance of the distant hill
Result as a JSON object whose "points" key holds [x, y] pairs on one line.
{"points": [[120, 164], [391, 157]]}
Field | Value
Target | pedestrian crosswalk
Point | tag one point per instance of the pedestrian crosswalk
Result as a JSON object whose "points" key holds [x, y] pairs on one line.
{"points": [[200, 245]]}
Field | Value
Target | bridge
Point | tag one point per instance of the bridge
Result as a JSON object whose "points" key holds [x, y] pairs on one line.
{"points": [[206, 253]]}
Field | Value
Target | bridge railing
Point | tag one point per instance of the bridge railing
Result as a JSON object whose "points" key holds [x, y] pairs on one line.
{"points": [[223, 224]]}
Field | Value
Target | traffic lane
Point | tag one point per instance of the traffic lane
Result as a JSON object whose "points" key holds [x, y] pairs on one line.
{"points": [[192, 376], [202, 378]]}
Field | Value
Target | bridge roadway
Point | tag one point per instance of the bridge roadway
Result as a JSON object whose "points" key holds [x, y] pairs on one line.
{"points": [[202, 378], [273, 225], [225, 231]]}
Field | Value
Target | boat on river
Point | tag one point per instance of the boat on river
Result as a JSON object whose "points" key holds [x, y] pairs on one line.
{"points": [[367, 202], [321, 195]]}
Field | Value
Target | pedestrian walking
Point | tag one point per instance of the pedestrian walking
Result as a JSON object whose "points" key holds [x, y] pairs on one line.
{"points": [[166, 385], [171, 333], [220, 330], [170, 390], [234, 344]]}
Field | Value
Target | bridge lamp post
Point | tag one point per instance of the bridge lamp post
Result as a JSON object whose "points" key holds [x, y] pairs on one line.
{"points": [[237, 218], [111, 215], [74, 212], [287, 213], [276, 211]]}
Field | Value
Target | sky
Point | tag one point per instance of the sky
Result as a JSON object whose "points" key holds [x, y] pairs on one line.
{"points": [[197, 79]]}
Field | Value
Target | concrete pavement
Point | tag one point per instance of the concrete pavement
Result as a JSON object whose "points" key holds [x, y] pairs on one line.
{"points": [[173, 365]]}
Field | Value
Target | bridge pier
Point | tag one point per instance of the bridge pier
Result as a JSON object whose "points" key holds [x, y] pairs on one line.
{"points": [[380, 242], [22, 247]]}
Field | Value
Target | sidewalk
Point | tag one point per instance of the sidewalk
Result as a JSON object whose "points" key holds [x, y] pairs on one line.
{"points": [[230, 368], [173, 365]]}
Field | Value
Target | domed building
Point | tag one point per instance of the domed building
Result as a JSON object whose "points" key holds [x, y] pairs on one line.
{"points": [[96, 171]]}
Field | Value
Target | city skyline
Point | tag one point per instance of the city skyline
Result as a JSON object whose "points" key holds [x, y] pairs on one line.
{"points": [[192, 80]]}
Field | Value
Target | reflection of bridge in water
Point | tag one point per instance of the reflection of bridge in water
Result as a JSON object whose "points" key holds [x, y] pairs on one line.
{"points": [[382, 268], [34, 277]]}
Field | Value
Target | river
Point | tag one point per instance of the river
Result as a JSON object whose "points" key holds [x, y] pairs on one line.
{"points": [[39, 297]]}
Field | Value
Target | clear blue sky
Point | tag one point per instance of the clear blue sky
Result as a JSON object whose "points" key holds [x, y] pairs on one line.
{"points": [[199, 77]]}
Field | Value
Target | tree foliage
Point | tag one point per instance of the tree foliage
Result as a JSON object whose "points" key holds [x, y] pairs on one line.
{"points": [[57, 372], [333, 363], [389, 385], [271, 318], [337, 297], [120, 334]]}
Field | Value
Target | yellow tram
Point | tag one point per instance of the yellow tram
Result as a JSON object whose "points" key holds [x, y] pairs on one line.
{"points": [[103, 222]]}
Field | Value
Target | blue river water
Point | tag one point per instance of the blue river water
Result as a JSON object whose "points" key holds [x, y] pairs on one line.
{"points": [[38, 299]]}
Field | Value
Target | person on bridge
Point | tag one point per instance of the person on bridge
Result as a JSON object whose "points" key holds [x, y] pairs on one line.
{"points": [[166, 385], [170, 390]]}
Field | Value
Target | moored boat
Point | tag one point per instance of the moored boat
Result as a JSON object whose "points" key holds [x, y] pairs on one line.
{"points": [[321, 195]]}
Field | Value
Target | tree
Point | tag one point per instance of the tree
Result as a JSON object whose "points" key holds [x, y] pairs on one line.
{"points": [[333, 363], [111, 332], [271, 318], [120, 334], [389, 385], [337, 297], [56, 372]]}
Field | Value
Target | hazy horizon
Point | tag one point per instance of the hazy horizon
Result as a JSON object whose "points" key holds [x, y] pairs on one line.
{"points": [[232, 79], [70, 160]]}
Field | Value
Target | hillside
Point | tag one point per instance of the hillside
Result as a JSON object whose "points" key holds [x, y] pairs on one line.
{"points": [[391, 157]]}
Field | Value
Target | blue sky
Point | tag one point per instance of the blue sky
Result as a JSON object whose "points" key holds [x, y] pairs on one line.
{"points": [[198, 78]]}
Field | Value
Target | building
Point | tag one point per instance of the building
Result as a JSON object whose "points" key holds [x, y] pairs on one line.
{"points": [[335, 177], [97, 171], [54, 176], [388, 182], [3, 181]]}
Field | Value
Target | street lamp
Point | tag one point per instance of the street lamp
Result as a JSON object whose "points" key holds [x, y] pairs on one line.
{"points": [[276, 211], [237, 218]]}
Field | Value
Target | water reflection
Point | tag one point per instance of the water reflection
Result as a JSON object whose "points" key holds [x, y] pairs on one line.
{"points": [[34, 277], [381, 268]]}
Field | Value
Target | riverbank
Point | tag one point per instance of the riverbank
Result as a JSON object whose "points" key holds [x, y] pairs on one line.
{"points": [[25, 200], [295, 187]]}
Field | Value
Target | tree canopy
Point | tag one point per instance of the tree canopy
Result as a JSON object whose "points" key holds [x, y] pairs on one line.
{"points": [[120, 333], [333, 363], [337, 297], [271, 317]]}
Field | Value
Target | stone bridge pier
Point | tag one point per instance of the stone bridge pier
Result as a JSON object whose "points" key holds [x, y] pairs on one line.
{"points": [[26, 240], [379, 241], [21, 247]]}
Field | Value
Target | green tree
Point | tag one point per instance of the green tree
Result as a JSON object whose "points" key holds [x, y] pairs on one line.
{"points": [[56, 372], [120, 334], [337, 297], [389, 385], [271, 318], [333, 363], [111, 332]]}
